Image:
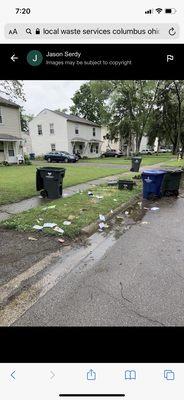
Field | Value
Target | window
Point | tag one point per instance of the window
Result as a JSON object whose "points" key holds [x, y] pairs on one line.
{"points": [[94, 131], [11, 149], [1, 147], [76, 130], [40, 130], [1, 117], [53, 147], [97, 149], [51, 129]]}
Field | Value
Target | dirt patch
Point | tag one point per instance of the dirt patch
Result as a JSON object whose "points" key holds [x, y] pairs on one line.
{"points": [[18, 253]]}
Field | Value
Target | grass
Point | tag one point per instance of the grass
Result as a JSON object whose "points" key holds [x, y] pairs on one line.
{"points": [[146, 160], [80, 209], [175, 163], [18, 182]]}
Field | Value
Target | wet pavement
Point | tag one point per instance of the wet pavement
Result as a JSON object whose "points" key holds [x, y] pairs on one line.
{"points": [[130, 275]]}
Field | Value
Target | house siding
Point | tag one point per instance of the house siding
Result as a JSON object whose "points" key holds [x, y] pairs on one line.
{"points": [[41, 144], [11, 121]]}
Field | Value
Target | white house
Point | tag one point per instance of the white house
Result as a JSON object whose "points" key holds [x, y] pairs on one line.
{"points": [[27, 143], [10, 131], [57, 131]]}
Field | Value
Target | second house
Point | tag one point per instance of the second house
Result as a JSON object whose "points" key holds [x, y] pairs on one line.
{"points": [[57, 131]]}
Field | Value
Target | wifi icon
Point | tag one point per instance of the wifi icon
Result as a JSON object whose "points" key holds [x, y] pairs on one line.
{"points": [[159, 10]]}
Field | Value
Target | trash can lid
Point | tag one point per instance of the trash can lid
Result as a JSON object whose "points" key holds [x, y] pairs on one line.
{"points": [[154, 171]]}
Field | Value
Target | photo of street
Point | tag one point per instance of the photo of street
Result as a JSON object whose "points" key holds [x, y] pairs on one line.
{"points": [[91, 203]]}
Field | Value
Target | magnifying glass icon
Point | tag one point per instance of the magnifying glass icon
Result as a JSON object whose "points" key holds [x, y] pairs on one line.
{"points": [[28, 30]]}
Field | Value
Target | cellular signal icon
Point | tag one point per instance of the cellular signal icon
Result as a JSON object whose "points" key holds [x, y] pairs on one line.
{"points": [[149, 11], [159, 10]]}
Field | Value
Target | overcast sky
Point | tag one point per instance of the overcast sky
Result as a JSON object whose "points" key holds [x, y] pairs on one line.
{"points": [[48, 94]]}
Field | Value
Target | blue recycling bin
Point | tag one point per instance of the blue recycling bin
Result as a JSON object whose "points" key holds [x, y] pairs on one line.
{"points": [[152, 182]]}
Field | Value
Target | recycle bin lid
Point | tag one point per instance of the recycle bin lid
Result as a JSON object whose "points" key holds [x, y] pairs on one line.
{"points": [[154, 171]]}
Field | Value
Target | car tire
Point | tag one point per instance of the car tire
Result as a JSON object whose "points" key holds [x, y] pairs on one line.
{"points": [[66, 160], [49, 160]]}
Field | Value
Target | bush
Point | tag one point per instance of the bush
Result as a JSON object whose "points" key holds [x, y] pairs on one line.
{"points": [[39, 158], [27, 160]]}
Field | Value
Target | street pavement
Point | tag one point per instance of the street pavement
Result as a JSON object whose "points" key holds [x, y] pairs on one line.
{"points": [[137, 281]]}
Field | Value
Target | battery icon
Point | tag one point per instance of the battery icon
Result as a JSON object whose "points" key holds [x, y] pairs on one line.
{"points": [[170, 10]]}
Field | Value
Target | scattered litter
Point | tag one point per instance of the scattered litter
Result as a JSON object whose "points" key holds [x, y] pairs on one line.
{"points": [[49, 225], [99, 197], [40, 219], [100, 230], [66, 223], [145, 222], [38, 227], [90, 194], [119, 217], [65, 194], [58, 229], [71, 217], [146, 208], [139, 204], [126, 212], [115, 200], [154, 208], [48, 207], [102, 217], [102, 225], [40, 197], [61, 240], [32, 238], [111, 211]]}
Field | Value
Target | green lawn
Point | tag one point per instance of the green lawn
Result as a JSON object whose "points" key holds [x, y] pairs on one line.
{"points": [[18, 182], [146, 160], [80, 210], [175, 163]]}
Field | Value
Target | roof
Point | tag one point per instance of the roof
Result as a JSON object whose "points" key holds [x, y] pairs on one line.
{"points": [[8, 138], [75, 118], [8, 103]]}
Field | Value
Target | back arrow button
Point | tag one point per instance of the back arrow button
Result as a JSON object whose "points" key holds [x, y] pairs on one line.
{"points": [[13, 374], [14, 58]]}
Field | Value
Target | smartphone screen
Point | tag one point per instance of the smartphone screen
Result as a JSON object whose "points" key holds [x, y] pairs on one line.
{"points": [[91, 199]]}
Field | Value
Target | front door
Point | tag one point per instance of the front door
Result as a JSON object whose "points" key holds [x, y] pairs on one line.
{"points": [[2, 157], [11, 153]]}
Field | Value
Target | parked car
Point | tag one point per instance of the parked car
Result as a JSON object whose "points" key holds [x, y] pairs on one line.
{"points": [[146, 151], [112, 153], [60, 156], [164, 150]]}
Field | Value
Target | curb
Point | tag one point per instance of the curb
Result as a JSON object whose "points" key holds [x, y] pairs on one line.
{"points": [[92, 228]]}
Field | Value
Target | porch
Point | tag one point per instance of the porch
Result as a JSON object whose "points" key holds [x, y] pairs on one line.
{"points": [[86, 148], [9, 148]]}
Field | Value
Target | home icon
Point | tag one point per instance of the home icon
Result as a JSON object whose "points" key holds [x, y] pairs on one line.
{"points": [[91, 375]]}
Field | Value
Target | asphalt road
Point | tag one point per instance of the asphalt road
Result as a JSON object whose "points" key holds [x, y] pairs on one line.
{"points": [[139, 281]]}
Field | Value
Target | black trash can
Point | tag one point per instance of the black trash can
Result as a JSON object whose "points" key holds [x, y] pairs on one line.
{"points": [[171, 182], [136, 162], [50, 181], [32, 156]]}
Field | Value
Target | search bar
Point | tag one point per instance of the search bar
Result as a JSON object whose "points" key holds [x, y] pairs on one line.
{"points": [[92, 31]]}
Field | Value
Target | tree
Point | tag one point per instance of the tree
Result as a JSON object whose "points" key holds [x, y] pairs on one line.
{"points": [[25, 119], [131, 107], [91, 101], [13, 89], [62, 110]]}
